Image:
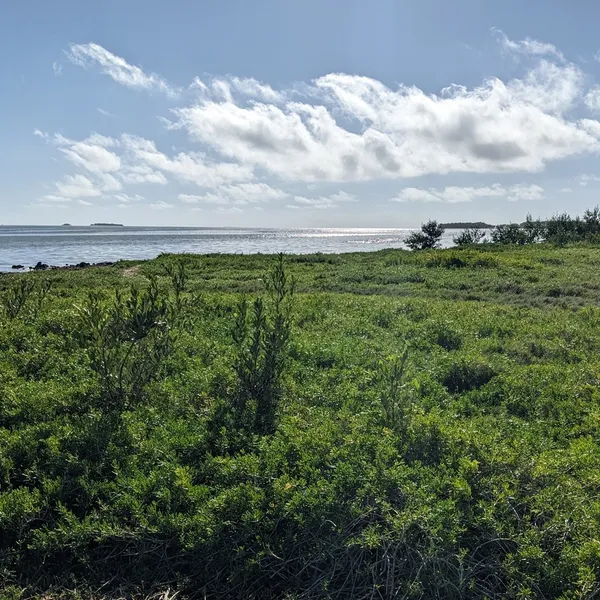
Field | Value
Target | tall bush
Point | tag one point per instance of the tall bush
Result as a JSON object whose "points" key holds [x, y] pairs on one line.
{"points": [[427, 238], [468, 237], [261, 334], [127, 341]]}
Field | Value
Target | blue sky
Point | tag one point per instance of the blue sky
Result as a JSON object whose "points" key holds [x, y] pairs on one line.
{"points": [[312, 113]]}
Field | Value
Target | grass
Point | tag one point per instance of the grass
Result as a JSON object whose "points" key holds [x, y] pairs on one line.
{"points": [[433, 429]]}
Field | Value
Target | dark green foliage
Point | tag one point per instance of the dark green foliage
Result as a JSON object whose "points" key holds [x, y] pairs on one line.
{"points": [[468, 237], [466, 374], [427, 238], [509, 234]]}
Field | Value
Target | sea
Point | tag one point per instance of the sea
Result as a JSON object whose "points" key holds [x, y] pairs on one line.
{"points": [[64, 245]]}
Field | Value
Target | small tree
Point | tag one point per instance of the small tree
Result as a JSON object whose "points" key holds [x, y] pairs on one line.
{"points": [[428, 237], [535, 231], [468, 237], [261, 334], [512, 233]]}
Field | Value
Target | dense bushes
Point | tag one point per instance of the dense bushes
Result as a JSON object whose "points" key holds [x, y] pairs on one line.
{"points": [[559, 229], [300, 443]]}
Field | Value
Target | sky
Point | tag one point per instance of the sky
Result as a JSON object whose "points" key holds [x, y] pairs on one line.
{"points": [[312, 113]]}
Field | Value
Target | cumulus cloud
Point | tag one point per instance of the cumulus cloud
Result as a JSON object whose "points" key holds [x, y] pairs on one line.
{"points": [[87, 55], [455, 194], [189, 167], [339, 128], [352, 128]]}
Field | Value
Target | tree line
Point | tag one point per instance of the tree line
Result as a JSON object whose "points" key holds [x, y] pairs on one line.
{"points": [[560, 229]]}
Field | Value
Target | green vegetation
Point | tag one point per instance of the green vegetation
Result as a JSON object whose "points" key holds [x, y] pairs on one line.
{"points": [[468, 237], [426, 239], [374, 425]]}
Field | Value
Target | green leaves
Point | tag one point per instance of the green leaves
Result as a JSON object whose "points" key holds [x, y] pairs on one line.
{"points": [[261, 342]]}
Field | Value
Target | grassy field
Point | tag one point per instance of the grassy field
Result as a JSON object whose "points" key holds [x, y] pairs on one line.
{"points": [[405, 425]]}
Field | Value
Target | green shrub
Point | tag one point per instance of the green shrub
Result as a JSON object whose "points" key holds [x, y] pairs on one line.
{"points": [[128, 341], [469, 237], [466, 374], [261, 343], [427, 238]]}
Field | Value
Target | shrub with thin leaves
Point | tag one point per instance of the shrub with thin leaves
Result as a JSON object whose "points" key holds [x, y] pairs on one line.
{"points": [[426, 239], [261, 335], [126, 340], [468, 237]]}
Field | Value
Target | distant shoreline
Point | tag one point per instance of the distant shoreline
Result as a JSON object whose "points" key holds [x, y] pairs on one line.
{"points": [[467, 225]]}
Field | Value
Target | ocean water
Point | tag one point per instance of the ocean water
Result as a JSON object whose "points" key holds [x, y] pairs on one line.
{"points": [[26, 245]]}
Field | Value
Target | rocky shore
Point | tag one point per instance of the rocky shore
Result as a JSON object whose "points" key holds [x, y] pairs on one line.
{"points": [[40, 266]]}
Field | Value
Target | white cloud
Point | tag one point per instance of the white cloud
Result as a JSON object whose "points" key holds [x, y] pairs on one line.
{"points": [[77, 186], [592, 98], [84, 203], [339, 128], [142, 174], [160, 205], [92, 157], [126, 198], [497, 127], [55, 198], [57, 68], [231, 210], [85, 55], [566, 190], [323, 202], [523, 191], [252, 88], [109, 183], [105, 113], [190, 167], [411, 194], [454, 194], [528, 46], [239, 194]]}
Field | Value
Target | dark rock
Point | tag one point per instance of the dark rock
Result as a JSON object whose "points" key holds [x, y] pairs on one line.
{"points": [[17, 267], [82, 265], [40, 266]]}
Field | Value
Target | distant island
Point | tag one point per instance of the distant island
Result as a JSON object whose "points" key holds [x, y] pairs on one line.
{"points": [[466, 225], [66, 225], [107, 225]]}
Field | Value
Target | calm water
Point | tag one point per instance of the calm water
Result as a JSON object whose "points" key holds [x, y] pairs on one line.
{"points": [[69, 245]]}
